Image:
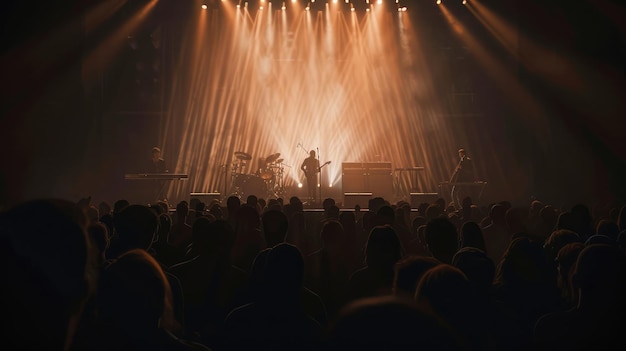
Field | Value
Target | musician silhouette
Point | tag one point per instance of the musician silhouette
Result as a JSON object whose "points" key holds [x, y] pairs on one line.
{"points": [[157, 165], [311, 167], [462, 175]]}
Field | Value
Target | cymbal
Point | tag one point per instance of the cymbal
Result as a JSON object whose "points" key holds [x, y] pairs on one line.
{"points": [[243, 155], [272, 158], [280, 160]]}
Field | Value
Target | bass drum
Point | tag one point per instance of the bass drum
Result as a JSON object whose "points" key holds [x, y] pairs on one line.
{"points": [[246, 184]]}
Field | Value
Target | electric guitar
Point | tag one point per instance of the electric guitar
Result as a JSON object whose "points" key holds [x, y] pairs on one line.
{"points": [[310, 173]]}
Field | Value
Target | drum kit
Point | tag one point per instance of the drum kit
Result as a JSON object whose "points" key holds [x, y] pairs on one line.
{"points": [[266, 181]]}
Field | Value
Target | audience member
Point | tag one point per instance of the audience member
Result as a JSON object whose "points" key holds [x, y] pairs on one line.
{"points": [[381, 254], [275, 321], [388, 323], [407, 274], [442, 239], [597, 321], [48, 274], [135, 306]]}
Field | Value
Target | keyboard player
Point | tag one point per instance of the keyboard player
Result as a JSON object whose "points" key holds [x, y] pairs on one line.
{"points": [[157, 165]]}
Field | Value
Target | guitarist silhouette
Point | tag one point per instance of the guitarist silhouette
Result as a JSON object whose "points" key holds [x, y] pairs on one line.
{"points": [[311, 167]]}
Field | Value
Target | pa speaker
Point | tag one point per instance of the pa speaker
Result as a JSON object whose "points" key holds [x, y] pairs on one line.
{"points": [[350, 200]]}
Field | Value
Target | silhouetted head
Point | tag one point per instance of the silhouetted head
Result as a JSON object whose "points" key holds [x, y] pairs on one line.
{"points": [[232, 204], [284, 272], [252, 201], [136, 226], [329, 201], [524, 265], [558, 239], [47, 272], [312, 153], [383, 247], [433, 211], [407, 273], [600, 272], [582, 220], [182, 209], [332, 234], [497, 213], [565, 259], [608, 228], [119, 205], [385, 215], [476, 265], [472, 236], [134, 293], [442, 239], [275, 226], [388, 323], [445, 289]]}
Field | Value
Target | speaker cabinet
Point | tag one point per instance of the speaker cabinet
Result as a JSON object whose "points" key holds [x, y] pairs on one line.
{"points": [[350, 200], [368, 177]]}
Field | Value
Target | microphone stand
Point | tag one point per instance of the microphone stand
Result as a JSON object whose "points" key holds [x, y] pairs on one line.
{"points": [[320, 172]]}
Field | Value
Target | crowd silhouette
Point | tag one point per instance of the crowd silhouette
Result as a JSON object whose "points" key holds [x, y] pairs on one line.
{"points": [[264, 274]]}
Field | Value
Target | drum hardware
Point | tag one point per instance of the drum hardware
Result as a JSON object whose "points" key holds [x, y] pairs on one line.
{"points": [[267, 180], [248, 184], [266, 174], [243, 155], [271, 158], [241, 162]]}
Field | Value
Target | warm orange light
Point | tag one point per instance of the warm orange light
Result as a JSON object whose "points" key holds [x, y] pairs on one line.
{"points": [[438, 2], [259, 111], [204, 7]]}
